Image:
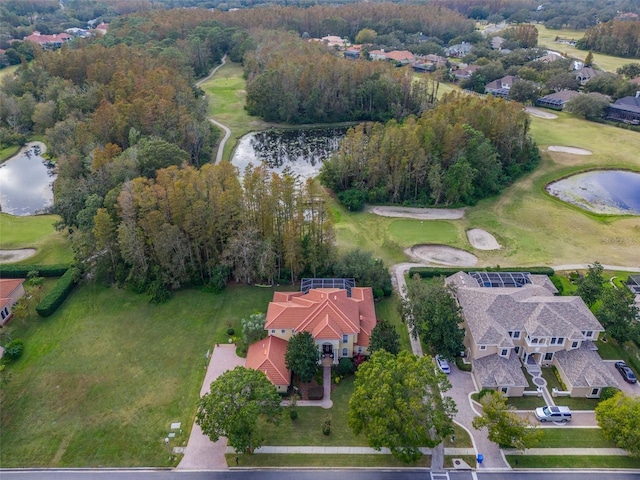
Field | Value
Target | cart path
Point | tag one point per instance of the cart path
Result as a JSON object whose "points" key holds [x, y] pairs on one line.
{"points": [[227, 131]]}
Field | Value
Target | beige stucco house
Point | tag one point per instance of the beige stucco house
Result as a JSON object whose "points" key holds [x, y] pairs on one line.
{"points": [[340, 321], [524, 322]]}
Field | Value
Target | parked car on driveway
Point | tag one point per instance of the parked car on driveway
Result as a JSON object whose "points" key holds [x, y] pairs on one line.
{"points": [[443, 365], [553, 414], [626, 372]]}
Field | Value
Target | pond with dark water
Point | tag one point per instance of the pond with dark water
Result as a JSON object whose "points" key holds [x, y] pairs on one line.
{"points": [[297, 152], [614, 192], [26, 182]]}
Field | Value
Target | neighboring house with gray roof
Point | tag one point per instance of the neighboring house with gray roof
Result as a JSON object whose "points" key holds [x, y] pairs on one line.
{"points": [[509, 326]]}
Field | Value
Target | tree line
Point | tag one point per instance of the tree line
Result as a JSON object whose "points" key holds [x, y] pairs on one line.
{"points": [[295, 81], [615, 37], [466, 149]]}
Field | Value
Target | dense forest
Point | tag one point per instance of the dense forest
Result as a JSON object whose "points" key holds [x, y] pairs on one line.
{"points": [[295, 81], [616, 37], [464, 150], [195, 226]]}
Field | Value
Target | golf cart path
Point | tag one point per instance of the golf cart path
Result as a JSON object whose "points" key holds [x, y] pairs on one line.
{"points": [[227, 131]]}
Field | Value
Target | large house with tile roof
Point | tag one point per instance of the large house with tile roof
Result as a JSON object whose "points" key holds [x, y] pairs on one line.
{"points": [[526, 324], [11, 290], [340, 321], [49, 41]]}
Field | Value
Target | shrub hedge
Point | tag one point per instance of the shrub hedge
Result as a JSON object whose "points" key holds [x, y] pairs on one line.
{"points": [[430, 272], [19, 270], [58, 293]]}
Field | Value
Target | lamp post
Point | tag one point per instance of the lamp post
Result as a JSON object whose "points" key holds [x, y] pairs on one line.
{"points": [[166, 442]]}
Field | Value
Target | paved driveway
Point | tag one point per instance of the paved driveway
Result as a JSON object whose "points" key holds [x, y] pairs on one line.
{"points": [[201, 453], [628, 388]]}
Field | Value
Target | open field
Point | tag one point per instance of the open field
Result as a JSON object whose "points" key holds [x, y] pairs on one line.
{"points": [[8, 152], [102, 378], [35, 232], [546, 38]]}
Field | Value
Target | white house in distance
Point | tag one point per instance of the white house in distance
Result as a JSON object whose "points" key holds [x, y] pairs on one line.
{"points": [[512, 319], [340, 320]]}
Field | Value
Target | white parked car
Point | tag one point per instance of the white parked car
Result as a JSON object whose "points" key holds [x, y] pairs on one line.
{"points": [[553, 414], [443, 365]]}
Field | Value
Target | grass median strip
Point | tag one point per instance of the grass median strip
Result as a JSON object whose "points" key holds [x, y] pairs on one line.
{"points": [[341, 461], [571, 461]]}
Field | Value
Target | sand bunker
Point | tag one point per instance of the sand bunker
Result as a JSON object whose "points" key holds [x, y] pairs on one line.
{"points": [[572, 150], [9, 256], [482, 240], [540, 113], [419, 213], [443, 255]]}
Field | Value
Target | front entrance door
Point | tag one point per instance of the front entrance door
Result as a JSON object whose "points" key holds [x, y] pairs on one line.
{"points": [[327, 349]]}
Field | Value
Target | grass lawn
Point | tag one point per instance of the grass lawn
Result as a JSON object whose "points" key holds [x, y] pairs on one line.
{"points": [[546, 38], [525, 403], [307, 428], [611, 350], [331, 461], [101, 379], [387, 309], [37, 232], [574, 438], [571, 461], [8, 152]]}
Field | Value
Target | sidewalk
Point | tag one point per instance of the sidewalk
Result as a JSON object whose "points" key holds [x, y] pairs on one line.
{"points": [[201, 453]]}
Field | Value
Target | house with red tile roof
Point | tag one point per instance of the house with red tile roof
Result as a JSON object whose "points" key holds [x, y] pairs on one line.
{"points": [[267, 355], [401, 56], [340, 323], [48, 41], [11, 290]]}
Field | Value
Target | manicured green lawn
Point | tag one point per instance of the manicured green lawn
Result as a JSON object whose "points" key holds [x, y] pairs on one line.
{"points": [[526, 403], [307, 428], [330, 461], [226, 93], [571, 461], [102, 378], [611, 350], [574, 438], [8, 152], [387, 309], [36, 231]]}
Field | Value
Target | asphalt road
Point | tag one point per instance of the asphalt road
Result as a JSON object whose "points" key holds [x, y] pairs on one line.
{"points": [[311, 474]]}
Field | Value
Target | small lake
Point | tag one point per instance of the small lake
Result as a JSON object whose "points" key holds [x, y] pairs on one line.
{"points": [[26, 182], [613, 192], [298, 152]]}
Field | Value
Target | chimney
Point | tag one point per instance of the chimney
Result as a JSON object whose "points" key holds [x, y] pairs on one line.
{"points": [[638, 94]]}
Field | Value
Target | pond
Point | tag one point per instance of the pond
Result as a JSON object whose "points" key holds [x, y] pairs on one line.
{"points": [[614, 192], [26, 182], [298, 152]]}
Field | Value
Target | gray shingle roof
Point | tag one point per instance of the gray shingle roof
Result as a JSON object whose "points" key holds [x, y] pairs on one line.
{"points": [[583, 367], [496, 371], [492, 312]]}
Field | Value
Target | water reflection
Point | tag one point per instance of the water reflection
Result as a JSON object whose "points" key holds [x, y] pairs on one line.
{"points": [[26, 182], [299, 152], [601, 191]]}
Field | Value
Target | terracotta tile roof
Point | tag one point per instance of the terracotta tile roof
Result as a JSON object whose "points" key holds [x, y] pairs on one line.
{"points": [[7, 287], [400, 55], [327, 313], [41, 39], [268, 356]]}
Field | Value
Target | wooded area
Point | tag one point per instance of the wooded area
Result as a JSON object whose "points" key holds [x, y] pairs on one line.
{"points": [[295, 81], [466, 149], [616, 37]]}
